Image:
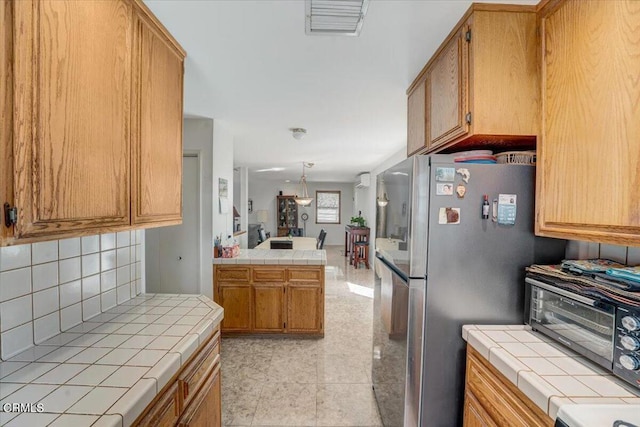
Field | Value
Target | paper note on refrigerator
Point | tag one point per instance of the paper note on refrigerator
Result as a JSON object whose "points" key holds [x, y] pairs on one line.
{"points": [[507, 209]]}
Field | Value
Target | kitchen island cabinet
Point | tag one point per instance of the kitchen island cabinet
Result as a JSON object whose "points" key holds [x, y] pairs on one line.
{"points": [[281, 298], [87, 87], [588, 153], [481, 85]]}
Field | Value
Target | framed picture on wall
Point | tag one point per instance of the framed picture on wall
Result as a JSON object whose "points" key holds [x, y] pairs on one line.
{"points": [[223, 187]]}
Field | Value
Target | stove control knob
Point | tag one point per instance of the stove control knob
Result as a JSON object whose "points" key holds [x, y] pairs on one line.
{"points": [[630, 343], [630, 362], [631, 323]]}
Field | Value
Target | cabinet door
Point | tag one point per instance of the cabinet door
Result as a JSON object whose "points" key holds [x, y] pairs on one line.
{"points": [[6, 113], [205, 409], [416, 118], [236, 301], [72, 104], [447, 92], [164, 412], [157, 127], [304, 308], [268, 307], [474, 413], [589, 155]]}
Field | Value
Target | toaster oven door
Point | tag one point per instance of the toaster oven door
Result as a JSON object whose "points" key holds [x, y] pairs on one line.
{"points": [[585, 325]]}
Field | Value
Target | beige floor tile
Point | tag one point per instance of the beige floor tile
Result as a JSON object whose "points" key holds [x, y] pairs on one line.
{"points": [[347, 405], [341, 369], [286, 404], [239, 402], [293, 369]]}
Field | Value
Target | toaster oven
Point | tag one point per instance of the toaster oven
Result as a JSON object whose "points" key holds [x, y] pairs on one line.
{"points": [[604, 331]]}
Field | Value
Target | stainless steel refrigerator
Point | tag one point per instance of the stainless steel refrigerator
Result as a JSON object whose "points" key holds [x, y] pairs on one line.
{"points": [[446, 258]]}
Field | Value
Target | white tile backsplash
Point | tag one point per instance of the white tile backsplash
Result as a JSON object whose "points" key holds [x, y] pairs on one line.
{"points": [[70, 316], [15, 283], [69, 269], [584, 250], [44, 252], [69, 248], [45, 275], [49, 287], [45, 302], [12, 257], [90, 264], [15, 312], [90, 286], [90, 244], [46, 327], [70, 293]]}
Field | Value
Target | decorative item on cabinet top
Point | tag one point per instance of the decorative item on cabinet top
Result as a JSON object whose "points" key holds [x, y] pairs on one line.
{"points": [[112, 179]]}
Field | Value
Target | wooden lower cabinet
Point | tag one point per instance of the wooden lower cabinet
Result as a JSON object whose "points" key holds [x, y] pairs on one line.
{"points": [[305, 308], [236, 300], [205, 409], [493, 400], [268, 308], [282, 299], [193, 396]]}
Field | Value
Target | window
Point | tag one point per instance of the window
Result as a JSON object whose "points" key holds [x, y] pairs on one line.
{"points": [[327, 207]]}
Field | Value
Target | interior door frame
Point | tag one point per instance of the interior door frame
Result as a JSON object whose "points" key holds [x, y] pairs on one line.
{"points": [[198, 155]]}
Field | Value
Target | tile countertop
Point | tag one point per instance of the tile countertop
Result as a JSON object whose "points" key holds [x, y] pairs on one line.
{"points": [[553, 377], [105, 371], [276, 256]]}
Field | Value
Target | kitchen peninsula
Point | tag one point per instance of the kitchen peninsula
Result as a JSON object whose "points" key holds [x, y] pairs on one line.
{"points": [[269, 291]]}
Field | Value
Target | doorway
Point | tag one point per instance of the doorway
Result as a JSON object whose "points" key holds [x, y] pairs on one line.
{"points": [[173, 253]]}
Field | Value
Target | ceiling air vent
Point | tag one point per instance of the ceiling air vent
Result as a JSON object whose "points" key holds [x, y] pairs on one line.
{"points": [[338, 17]]}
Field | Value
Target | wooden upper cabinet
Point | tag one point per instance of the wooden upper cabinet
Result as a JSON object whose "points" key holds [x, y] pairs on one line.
{"points": [[72, 101], [157, 125], [589, 153], [6, 113], [417, 119], [90, 119], [447, 93], [482, 83]]}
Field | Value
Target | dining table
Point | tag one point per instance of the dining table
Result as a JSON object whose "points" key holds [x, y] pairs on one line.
{"points": [[299, 243]]}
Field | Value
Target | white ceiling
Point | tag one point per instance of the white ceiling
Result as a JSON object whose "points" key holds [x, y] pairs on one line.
{"points": [[250, 65]]}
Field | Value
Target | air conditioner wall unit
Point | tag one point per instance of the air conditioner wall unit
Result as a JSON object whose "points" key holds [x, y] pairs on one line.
{"points": [[364, 180]]}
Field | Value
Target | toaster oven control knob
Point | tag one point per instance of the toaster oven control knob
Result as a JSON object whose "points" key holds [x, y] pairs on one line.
{"points": [[630, 362], [630, 343], [631, 323]]}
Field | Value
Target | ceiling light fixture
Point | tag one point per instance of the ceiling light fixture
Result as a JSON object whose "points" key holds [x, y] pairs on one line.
{"points": [[383, 201], [298, 133], [270, 170], [304, 199]]}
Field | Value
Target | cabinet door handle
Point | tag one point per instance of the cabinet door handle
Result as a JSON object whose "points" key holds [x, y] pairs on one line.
{"points": [[185, 389]]}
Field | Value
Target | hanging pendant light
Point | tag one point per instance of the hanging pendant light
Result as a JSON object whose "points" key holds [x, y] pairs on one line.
{"points": [[304, 199], [383, 201]]}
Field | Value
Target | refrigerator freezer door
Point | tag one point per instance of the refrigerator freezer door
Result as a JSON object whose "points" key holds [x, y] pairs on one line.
{"points": [[419, 220]]}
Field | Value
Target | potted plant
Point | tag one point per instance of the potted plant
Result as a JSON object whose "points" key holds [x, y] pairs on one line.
{"points": [[358, 220]]}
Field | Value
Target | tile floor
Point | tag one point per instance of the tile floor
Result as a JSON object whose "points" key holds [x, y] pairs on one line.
{"points": [[308, 382]]}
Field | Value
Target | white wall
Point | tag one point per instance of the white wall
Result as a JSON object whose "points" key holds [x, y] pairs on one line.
{"points": [[197, 139], [222, 168], [263, 193]]}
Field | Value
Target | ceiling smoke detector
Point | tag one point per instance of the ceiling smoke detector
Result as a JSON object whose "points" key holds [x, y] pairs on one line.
{"points": [[336, 17], [298, 133]]}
